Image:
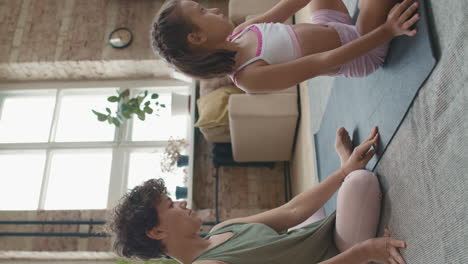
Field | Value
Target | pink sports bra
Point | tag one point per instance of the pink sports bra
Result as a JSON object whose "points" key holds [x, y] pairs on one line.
{"points": [[277, 43]]}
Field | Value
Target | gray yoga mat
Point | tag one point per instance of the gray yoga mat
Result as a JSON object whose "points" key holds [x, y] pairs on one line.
{"points": [[381, 99]]}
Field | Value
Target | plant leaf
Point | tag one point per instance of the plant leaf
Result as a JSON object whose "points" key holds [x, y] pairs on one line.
{"points": [[147, 103], [146, 93], [155, 96], [115, 121], [132, 109], [141, 116], [131, 101], [113, 99], [100, 116], [125, 93], [148, 110], [163, 105], [108, 110], [126, 114]]}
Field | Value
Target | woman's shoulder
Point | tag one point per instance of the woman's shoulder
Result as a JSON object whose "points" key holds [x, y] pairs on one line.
{"points": [[227, 223]]}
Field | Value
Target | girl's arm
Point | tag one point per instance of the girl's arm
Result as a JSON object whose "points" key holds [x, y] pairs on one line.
{"points": [[280, 76], [279, 13], [307, 203]]}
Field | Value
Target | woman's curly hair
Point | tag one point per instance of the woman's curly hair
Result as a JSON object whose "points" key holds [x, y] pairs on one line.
{"points": [[169, 40], [133, 216]]}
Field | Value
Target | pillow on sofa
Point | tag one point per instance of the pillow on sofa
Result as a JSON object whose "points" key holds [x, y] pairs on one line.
{"points": [[209, 85], [213, 107]]}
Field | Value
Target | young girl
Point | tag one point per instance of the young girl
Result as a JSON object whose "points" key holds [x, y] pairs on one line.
{"points": [[266, 56]]}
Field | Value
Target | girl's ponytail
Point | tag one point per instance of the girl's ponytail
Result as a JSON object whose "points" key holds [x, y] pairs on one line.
{"points": [[205, 66]]}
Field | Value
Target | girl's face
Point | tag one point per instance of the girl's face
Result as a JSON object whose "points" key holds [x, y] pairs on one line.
{"points": [[213, 24]]}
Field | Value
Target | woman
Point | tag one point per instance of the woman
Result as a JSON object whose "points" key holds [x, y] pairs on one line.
{"points": [[148, 224]]}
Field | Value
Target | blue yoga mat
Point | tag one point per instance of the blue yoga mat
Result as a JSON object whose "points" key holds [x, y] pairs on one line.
{"points": [[382, 99]]}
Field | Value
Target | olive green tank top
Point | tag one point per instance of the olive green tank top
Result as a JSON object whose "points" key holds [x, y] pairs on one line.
{"points": [[254, 243]]}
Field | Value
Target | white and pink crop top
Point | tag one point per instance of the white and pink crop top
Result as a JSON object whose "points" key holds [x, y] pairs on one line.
{"points": [[277, 43]]}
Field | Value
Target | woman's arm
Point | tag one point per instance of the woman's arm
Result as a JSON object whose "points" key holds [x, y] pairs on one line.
{"points": [[307, 203], [298, 209], [276, 77]]}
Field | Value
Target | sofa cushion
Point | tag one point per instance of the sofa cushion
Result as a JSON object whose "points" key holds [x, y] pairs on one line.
{"points": [[209, 85], [213, 107]]}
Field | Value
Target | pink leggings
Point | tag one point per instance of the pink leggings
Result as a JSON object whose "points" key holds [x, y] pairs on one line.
{"points": [[343, 24], [358, 209]]}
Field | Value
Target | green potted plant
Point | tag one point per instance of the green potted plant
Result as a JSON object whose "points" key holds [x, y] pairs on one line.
{"points": [[127, 106], [172, 155]]}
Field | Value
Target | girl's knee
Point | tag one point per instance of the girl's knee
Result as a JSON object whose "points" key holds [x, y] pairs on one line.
{"points": [[362, 178]]}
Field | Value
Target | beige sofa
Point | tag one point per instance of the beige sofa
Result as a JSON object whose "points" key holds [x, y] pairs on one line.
{"points": [[261, 127]]}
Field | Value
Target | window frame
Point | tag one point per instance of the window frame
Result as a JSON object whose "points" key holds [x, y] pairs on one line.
{"points": [[121, 146]]}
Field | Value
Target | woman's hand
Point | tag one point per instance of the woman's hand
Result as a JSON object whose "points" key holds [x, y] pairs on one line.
{"points": [[401, 18], [361, 154], [385, 249]]}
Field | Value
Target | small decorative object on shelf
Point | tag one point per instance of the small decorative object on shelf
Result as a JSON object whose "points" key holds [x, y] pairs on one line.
{"points": [[183, 161], [120, 38], [172, 155], [128, 106]]}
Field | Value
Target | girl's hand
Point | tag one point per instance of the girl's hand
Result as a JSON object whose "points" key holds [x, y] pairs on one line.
{"points": [[401, 18], [385, 249], [361, 154]]}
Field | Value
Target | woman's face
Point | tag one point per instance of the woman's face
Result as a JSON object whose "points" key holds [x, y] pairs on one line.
{"points": [[211, 22], [176, 218]]}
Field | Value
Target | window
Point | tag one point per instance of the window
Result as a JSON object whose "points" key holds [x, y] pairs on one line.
{"points": [[55, 155]]}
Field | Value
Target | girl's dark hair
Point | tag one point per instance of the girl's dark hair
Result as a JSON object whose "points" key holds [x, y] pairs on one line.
{"points": [[169, 40], [136, 214]]}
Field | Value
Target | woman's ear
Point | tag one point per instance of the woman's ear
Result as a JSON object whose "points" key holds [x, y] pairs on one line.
{"points": [[156, 233], [196, 38]]}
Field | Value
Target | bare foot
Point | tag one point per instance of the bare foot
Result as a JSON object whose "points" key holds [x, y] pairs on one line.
{"points": [[343, 145]]}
